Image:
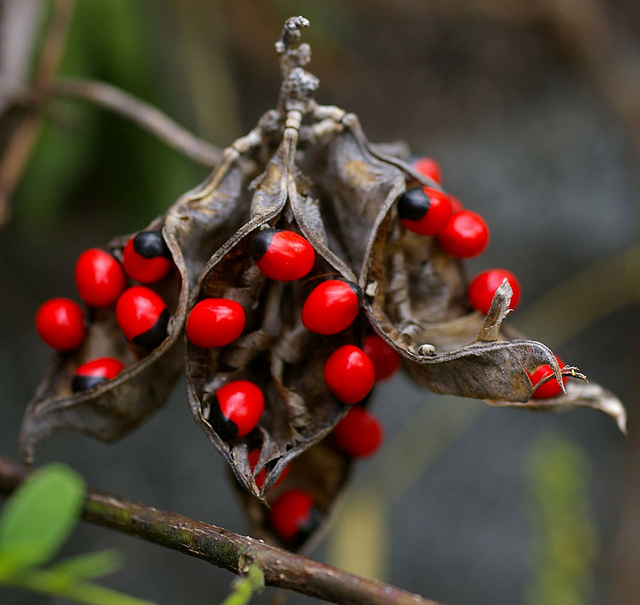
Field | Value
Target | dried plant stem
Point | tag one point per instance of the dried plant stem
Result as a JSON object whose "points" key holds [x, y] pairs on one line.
{"points": [[143, 114], [228, 550], [18, 150]]}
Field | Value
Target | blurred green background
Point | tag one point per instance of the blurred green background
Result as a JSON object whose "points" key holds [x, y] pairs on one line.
{"points": [[530, 108]]}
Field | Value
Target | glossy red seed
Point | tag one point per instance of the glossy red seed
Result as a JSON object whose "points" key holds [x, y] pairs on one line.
{"points": [[549, 389], [215, 322], [484, 285], [465, 236], [100, 278], [385, 359], [282, 255], [146, 257], [429, 167], [239, 406], [142, 316], [349, 374], [423, 210], [254, 455], [94, 372], [359, 434], [292, 516], [331, 307], [60, 324]]}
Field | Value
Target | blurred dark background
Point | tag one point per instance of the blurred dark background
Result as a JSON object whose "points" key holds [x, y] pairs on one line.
{"points": [[531, 108]]}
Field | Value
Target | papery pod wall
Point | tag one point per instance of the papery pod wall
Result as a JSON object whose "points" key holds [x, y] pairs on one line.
{"points": [[309, 170]]}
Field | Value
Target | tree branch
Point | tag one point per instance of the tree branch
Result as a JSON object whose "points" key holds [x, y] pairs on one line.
{"points": [[142, 114], [20, 146], [228, 550]]}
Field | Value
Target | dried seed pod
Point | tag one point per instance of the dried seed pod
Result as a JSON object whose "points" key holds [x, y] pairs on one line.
{"points": [[415, 293], [275, 351], [194, 227], [310, 170]]}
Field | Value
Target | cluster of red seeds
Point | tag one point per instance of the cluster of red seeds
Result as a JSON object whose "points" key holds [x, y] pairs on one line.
{"points": [[331, 307], [349, 372], [103, 281], [463, 234]]}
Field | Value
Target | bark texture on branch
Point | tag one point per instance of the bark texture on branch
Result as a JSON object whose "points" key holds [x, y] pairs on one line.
{"points": [[228, 550]]}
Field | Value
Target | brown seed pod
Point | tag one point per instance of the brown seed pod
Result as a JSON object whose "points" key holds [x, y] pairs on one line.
{"points": [[308, 169], [193, 228], [275, 352]]}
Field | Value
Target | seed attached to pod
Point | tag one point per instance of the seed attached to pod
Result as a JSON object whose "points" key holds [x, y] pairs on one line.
{"points": [[236, 409], [549, 389], [215, 322], [254, 455], [94, 372], [146, 257], [60, 324], [484, 285], [349, 374], [282, 255], [142, 316], [294, 516], [359, 434], [424, 210], [386, 361], [429, 167], [331, 307], [99, 278], [465, 236]]}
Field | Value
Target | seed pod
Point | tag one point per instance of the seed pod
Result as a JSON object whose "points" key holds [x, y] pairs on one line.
{"points": [[195, 226], [338, 193], [276, 352]]}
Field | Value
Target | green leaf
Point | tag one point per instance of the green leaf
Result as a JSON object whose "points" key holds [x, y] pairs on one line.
{"points": [[89, 565], [40, 515]]}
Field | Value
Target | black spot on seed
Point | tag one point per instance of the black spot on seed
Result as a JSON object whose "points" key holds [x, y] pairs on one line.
{"points": [[151, 244], [413, 204], [154, 335]]}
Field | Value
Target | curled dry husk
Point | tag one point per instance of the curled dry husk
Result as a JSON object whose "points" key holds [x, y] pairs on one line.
{"points": [[309, 169], [196, 225]]}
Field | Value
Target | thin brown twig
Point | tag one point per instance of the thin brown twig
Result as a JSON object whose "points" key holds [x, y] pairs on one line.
{"points": [[228, 550], [143, 114], [20, 146]]}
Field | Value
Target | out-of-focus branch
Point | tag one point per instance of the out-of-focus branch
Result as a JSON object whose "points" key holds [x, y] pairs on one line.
{"points": [[228, 550], [19, 148], [142, 114]]}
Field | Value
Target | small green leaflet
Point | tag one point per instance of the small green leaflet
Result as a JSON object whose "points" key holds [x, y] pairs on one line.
{"points": [[40, 515]]}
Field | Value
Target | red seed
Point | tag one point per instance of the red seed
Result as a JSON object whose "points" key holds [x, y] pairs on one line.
{"points": [[95, 372], [359, 434], [282, 255], [424, 210], [215, 322], [484, 285], [142, 316], [99, 277], [237, 409], [349, 374], [60, 324], [293, 516], [549, 389], [386, 360], [429, 167], [465, 236], [146, 257], [331, 307]]}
